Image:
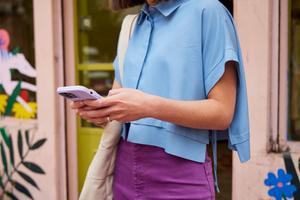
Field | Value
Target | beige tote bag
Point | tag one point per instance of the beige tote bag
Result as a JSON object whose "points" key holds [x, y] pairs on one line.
{"points": [[99, 178]]}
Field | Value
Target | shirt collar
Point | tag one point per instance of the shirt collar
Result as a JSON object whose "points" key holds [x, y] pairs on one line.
{"points": [[165, 7]]}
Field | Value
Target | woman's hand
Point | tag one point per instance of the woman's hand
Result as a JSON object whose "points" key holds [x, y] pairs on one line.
{"points": [[121, 104], [79, 106], [76, 105]]}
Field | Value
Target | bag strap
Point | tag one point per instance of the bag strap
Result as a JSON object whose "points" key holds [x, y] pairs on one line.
{"points": [[128, 26]]}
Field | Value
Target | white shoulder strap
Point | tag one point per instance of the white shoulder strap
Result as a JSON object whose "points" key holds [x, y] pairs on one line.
{"points": [[128, 26]]}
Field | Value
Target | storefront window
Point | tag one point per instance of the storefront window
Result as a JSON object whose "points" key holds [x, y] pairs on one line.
{"points": [[294, 71], [17, 66]]}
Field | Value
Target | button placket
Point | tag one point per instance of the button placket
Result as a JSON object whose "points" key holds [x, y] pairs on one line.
{"points": [[136, 53], [150, 25]]}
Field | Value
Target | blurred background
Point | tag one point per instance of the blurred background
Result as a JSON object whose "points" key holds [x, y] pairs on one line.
{"points": [[46, 150]]}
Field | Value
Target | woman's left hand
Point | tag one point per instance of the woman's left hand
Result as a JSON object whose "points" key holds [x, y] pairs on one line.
{"points": [[123, 105]]}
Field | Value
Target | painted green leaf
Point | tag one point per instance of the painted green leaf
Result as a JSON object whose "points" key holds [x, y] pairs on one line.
{"points": [[2, 89], [33, 167], [284, 197], [27, 138], [38, 144], [20, 144], [28, 179], [16, 50], [11, 152], [4, 160], [12, 99], [21, 188], [11, 195], [5, 136], [299, 164], [1, 182]]}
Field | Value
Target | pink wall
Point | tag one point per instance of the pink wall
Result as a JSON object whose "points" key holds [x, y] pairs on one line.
{"points": [[255, 22]]}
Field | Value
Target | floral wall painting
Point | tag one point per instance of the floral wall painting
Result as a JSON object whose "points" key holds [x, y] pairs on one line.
{"points": [[16, 170], [280, 186], [15, 92], [286, 184]]}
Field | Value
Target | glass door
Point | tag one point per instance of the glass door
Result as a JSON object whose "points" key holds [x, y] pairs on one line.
{"points": [[96, 34]]}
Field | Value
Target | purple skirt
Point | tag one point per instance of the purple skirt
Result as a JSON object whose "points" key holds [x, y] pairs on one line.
{"points": [[148, 172]]}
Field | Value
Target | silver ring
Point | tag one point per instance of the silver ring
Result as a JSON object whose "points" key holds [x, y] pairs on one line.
{"points": [[108, 119]]}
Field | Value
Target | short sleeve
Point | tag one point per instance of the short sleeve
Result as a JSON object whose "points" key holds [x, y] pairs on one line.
{"points": [[116, 69], [220, 45]]}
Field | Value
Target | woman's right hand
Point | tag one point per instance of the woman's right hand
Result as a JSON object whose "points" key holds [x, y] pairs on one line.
{"points": [[81, 106], [76, 105]]}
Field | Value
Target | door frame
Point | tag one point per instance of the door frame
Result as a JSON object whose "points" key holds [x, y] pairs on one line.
{"points": [[70, 79]]}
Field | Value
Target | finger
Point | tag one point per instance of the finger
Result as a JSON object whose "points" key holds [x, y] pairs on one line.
{"points": [[98, 121], [77, 111], [104, 112], [87, 108], [115, 91], [103, 102], [94, 120], [101, 125], [118, 117], [93, 103], [86, 118], [77, 104]]}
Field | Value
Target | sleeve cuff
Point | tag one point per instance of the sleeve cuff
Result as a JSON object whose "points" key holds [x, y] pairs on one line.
{"points": [[243, 150], [215, 75]]}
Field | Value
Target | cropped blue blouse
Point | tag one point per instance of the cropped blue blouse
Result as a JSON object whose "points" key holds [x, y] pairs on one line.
{"points": [[178, 50]]}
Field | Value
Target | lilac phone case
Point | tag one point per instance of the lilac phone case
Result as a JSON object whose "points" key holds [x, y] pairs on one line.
{"points": [[78, 93]]}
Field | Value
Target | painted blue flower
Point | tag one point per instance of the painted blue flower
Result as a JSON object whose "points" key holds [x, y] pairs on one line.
{"points": [[281, 187]]}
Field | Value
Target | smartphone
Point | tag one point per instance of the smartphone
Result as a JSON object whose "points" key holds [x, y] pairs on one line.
{"points": [[78, 93]]}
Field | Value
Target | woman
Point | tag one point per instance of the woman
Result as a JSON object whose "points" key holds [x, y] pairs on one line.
{"points": [[183, 87]]}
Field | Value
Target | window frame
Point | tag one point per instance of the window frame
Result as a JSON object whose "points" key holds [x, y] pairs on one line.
{"points": [[279, 80]]}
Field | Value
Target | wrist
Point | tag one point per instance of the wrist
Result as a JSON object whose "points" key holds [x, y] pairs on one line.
{"points": [[153, 106]]}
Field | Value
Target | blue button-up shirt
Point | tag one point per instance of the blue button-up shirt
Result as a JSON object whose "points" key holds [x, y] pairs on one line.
{"points": [[178, 50]]}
